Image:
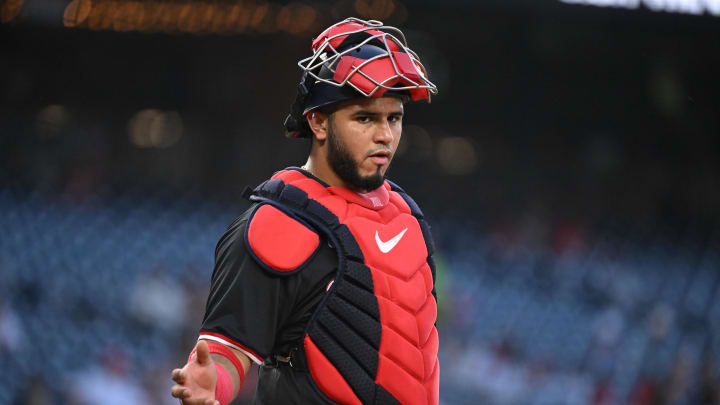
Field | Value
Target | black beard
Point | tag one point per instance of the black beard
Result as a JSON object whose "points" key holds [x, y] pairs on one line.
{"points": [[346, 168]]}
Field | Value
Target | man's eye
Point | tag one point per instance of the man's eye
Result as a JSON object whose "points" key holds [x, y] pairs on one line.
{"points": [[363, 119], [395, 118]]}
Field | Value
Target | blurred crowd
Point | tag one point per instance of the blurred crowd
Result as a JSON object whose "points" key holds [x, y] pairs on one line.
{"points": [[100, 299], [631, 318]]}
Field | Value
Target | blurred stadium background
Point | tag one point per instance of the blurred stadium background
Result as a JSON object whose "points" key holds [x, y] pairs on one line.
{"points": [[569, 166]]}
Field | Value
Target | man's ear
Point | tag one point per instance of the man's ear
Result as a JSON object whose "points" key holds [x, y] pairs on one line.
{"points": [[318, 123]]}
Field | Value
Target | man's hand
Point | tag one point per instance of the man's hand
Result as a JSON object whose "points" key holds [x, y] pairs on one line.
{"points": [[196, 381]]}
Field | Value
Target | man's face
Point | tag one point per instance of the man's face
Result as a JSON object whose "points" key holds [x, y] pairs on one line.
{"points": [[363, 135]]}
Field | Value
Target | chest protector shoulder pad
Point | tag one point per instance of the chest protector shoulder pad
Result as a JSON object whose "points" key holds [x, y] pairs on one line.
{"points": [[280, 243], [372, 339]]}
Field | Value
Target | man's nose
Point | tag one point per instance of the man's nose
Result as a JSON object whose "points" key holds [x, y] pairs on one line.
{"points": [[384, 134]]}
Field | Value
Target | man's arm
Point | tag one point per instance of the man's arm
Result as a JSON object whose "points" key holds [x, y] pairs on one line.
{"points": [[245, 307], [234, 374], [210, 379]]}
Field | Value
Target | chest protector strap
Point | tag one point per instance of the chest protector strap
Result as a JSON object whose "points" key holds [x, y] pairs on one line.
{"points": [[372, 339]]}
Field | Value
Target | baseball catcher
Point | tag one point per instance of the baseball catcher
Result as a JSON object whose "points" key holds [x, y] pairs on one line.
{"points": [[327, 280]]}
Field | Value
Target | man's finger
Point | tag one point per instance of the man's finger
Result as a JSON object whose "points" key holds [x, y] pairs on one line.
{"points": [[203, 352], [179, 391], [178, 376]]}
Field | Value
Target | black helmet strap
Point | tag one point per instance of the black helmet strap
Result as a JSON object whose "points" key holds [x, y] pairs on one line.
{"points": [[296, 125]]}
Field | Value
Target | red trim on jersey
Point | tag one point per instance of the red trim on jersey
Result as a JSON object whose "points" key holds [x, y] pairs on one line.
{"points": [[233, 342]]}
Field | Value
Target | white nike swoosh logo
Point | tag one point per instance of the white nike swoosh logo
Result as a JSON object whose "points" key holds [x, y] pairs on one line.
{"points": [[389, 245]]}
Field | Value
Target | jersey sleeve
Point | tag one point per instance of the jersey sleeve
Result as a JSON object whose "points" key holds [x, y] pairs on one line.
{"points": [[246, 305]]}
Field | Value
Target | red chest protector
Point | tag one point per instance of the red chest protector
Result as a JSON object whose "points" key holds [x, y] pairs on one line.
{"points": [[372, 339]]}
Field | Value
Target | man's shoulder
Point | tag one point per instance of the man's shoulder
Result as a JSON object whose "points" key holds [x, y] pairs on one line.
{"points": [[232, 238], [414, 207], [278, 240], [417, 213]]}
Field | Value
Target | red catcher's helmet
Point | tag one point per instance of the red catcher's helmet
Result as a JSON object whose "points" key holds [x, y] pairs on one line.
{"points": [[356, 58]]}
